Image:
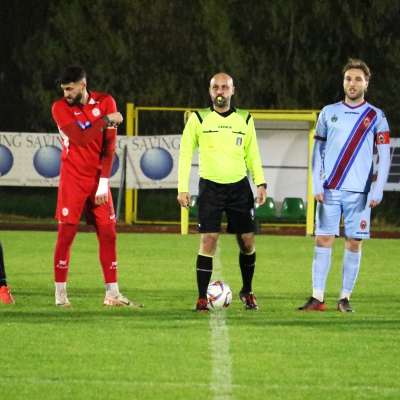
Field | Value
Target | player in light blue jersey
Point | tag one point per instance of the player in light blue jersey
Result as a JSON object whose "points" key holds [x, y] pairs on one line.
{"points": [[343, 181]]}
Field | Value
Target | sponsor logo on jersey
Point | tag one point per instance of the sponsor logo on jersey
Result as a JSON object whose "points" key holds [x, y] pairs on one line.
{"points": [[65, 211], [84, 125], [224, 127], [96, 112]]}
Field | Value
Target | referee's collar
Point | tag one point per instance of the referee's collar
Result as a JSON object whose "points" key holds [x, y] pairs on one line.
{"points": [[226, 113]]}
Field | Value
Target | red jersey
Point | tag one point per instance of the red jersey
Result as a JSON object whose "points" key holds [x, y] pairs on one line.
{"points": [[88, 145]]}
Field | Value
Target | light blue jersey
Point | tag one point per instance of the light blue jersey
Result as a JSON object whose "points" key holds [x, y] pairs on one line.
{"points": [[349, 134], [343, 165]]}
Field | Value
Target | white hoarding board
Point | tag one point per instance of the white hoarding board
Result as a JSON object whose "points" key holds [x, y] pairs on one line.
{"points": [[152, 162], [33, 159]]}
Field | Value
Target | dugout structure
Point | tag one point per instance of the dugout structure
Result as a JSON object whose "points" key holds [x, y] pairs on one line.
{"points": [[285, 139]]}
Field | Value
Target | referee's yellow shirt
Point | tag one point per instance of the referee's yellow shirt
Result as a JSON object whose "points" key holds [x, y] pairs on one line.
{"points": [[227, 148]]}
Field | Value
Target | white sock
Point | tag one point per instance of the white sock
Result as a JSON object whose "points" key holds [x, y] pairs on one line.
{"points": [[61, 287], [318, 294], [112, 289], [345, 295]]}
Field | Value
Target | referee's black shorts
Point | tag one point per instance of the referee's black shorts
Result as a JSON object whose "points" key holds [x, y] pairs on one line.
{"points": [[236, 199]]}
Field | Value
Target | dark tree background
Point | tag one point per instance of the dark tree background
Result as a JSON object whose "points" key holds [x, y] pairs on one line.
{"points": [[282, 53]]}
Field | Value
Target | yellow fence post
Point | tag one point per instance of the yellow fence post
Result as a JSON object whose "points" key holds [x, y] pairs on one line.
{"points": [[310, 196], [130, 116]]}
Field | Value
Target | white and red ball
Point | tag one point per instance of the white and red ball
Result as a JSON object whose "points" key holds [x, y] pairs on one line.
{"points": [[219, 295]]}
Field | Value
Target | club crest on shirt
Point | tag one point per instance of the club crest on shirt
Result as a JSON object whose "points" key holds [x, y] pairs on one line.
{"points": [[65, 211], [334, 118], [96, 112], [366, 121], [363, 224]]}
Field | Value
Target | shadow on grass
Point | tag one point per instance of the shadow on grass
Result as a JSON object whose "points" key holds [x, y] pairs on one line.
{"points": [[173, 309]]}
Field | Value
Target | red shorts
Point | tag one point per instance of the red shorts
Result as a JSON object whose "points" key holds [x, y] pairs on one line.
{"points": [[78, 195]]}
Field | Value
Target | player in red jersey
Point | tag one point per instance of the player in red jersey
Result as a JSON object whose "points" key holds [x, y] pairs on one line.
{"points": [[87, 122], [5, 292]]}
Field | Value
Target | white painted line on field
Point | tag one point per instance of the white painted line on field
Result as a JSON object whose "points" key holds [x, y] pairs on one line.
{"points": [[221, 377], [17, 380]]}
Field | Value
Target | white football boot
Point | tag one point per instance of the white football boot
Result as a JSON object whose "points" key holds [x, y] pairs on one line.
{"points": [[113, 299]]}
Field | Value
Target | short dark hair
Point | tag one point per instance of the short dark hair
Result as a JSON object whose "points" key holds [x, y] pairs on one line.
{"points": [[72, 73], [358, 64]]}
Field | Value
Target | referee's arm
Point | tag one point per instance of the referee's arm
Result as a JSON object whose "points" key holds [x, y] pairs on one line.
{"points": [[254, 164], [188, 144]]}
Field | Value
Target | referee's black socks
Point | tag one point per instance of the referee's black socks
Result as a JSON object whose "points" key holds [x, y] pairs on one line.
{"points": [[204, 266], [3, 281], [247, 264]]}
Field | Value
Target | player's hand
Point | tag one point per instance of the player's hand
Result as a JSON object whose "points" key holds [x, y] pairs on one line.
{"points": [[101, 196], [114, 119], [376, 197], [261, 195], [183, 199], [319, 197], [373, 203]]}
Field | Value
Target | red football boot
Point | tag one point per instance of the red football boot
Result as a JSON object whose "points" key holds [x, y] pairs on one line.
{"points": [[6, 296]]}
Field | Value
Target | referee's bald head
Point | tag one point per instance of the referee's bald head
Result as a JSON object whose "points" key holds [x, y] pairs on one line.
{"points": [[222, 76]]}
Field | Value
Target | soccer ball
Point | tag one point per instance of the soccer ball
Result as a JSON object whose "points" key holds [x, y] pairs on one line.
{"points": [[219, 295]]}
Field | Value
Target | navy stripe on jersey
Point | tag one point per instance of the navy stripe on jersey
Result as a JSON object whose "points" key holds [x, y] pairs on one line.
{"points": [[351, 148]]}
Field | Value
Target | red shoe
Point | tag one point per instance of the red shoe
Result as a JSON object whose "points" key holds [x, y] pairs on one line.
{"points": [[201, 305], [6, 296], [249, 300], [313, 304]]}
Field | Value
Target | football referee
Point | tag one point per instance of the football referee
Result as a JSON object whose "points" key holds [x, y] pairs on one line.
{"points": [[228, 149]]}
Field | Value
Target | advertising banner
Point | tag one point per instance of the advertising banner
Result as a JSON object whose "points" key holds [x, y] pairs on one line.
{"points": [[33, 159], [152, 162]]}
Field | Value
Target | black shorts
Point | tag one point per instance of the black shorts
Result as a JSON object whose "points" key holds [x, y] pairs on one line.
{"points": [[236, 199]]}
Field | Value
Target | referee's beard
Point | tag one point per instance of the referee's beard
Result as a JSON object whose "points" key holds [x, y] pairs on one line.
{"points": [[221, 101]]}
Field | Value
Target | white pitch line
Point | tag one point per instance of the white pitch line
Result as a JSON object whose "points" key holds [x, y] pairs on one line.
{"points": [[221, 378]]}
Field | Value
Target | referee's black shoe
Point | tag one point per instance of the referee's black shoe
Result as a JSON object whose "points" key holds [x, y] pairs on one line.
{"points": [[249, 300], [343, 305]]}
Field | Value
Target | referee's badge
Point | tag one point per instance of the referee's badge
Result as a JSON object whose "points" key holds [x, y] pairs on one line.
{"points": [[239, 141]]}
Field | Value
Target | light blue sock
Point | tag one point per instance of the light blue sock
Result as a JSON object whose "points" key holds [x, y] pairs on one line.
{"points": [[320, 269], [351, 266]]}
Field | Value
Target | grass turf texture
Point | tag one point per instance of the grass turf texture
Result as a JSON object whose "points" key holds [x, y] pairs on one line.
{"points": [[163, 351]]}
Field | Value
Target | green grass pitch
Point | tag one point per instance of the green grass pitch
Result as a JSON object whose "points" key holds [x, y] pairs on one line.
{"points": [[167, 351]]}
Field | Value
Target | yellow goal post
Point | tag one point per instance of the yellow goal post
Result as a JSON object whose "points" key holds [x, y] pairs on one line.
{"points": [[132, 129]]}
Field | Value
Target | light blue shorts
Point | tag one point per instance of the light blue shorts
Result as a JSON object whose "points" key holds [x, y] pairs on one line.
{"points": [[356, 214]]}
